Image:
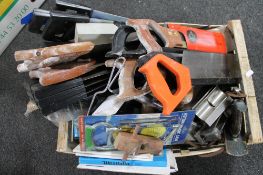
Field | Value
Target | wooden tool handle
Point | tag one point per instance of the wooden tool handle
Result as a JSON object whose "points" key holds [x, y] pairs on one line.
{"points": [[129, 143], [65, 50], [49, 76]]}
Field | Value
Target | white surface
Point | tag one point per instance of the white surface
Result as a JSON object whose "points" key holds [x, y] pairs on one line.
{"points": [[98, 33], [110, 106], [128, 169], [111, 154], [170, 168], [249, 73]]}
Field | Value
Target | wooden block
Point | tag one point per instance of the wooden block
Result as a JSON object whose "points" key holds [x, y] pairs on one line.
{"points": [[254, 121], [62, 142], [247, 82], [185, 153], [98, 33], [138, 144]]}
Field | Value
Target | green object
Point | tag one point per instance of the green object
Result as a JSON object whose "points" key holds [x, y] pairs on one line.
{"points": [[156, 130], [4, 11], [88, 138]]}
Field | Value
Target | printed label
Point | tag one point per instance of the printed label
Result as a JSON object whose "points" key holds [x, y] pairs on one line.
{"points": [[11, 13]]}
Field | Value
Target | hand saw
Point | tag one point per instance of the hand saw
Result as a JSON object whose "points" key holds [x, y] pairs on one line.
{"points": [[154, 38], [201, 40], [197, 68]]}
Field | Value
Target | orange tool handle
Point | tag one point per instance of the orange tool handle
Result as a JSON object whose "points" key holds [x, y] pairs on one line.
{"points": [[158, 85], [201, 40]]}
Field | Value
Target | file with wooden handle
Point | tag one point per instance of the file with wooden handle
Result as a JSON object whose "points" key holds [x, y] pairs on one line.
{"points": [[49, 76], [49, 56]]}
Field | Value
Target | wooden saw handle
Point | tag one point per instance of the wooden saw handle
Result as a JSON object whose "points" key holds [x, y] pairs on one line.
{"points": [[143, 28]]}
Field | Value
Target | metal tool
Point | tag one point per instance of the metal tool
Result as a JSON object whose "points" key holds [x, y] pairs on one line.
{"points": [[234, 138], [149, 101], [55, 25], [219, 68], [228, 35], [92, 13], [119, 44], [127, 90], [142, 27], [235, 118], [147, 122], [201, 40], [54, 97], [111, 79], [38, 19], [49, 56], [188, 98], [41, 92], [59, 25], [212, 105], [158, 84], [109, 106], [153, 37], [207, 135], [235, 146], [88, 87], [236, 93], [212, 68]]}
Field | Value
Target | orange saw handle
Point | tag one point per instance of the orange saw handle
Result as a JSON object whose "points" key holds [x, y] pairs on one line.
{"points": [[158, 85]]}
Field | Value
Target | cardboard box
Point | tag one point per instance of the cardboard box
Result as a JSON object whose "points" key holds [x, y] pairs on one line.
{"points": [[11, 13]]}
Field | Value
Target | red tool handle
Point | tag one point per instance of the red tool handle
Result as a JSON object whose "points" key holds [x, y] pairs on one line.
{"points": [[202, 40], [158, 85]]}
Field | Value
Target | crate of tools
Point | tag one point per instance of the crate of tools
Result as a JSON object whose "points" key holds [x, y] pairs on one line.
{"points": [[139, 90]]}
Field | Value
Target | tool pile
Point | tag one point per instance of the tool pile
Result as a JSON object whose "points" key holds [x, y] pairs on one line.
{"points": [[133, 88]]}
